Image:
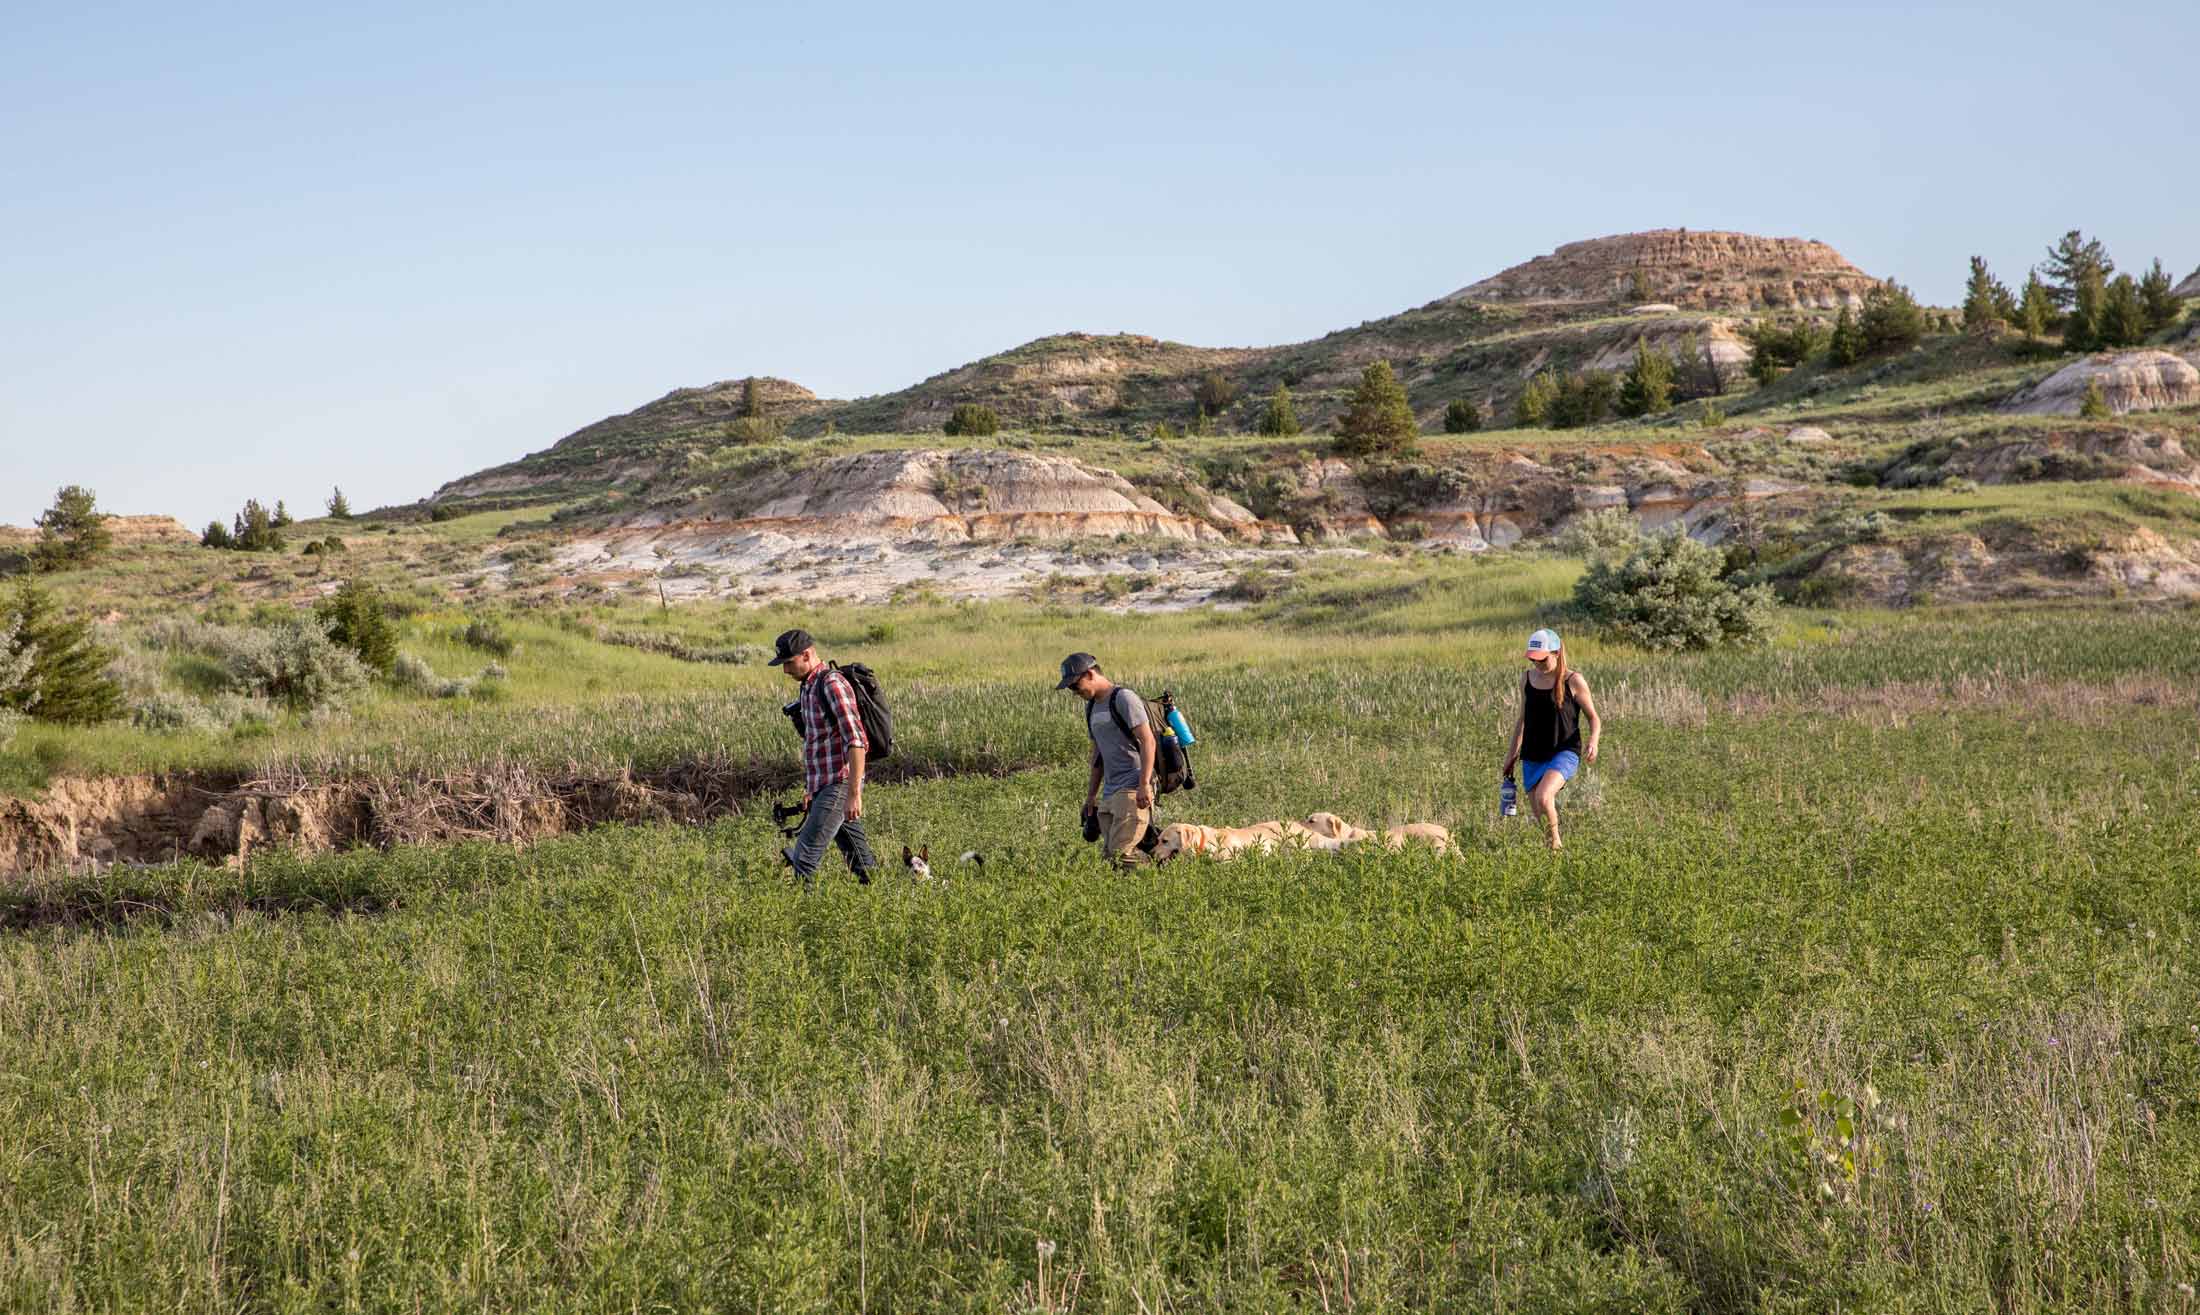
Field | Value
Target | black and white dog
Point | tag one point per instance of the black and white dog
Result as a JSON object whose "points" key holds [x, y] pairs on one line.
{"points": [[919, 861]]}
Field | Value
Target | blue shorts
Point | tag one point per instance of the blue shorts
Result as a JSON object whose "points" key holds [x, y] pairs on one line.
{"points": [[1565, 762]]}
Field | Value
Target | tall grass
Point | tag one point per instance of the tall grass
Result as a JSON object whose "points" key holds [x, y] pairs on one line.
{"points": [[1865, 982]]}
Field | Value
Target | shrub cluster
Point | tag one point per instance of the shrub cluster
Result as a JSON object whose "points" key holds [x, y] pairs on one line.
{"points": [[1606, 534], [294, 662], [972, 420], [357, 616], [413, 673], [488, 635], [1669, 594]]}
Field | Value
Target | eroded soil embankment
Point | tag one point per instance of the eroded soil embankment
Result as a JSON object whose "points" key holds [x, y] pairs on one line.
{"points": [[82, 821]]}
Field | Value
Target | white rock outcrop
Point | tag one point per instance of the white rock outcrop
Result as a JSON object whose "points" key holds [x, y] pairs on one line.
{"points": [[2130, 381]]}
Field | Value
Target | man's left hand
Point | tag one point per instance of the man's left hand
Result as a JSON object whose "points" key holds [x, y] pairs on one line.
{"points": [[855, 806], [1144, 797], [1591, 755]]}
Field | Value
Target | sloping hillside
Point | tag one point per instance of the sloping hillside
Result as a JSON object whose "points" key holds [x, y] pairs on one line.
{"points": [[1572, 309]]}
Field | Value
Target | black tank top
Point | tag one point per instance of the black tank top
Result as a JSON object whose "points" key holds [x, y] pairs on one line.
{"points": [[1546, 727]]}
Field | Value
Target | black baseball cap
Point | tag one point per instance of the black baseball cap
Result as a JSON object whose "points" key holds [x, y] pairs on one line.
{"points": [[788, 644], [1075, 665]]}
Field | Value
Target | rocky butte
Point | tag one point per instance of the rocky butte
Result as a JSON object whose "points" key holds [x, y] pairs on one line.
{"points": [[1683, 268]]}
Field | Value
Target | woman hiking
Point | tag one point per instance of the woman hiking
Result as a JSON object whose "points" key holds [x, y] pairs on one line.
{"points": [[1546, 738]]}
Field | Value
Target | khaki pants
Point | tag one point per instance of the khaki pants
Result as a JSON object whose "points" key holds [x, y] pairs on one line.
{"points": [[1122, 826]]}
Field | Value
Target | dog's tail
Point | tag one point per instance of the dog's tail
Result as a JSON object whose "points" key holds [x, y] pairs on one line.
{"points": [[974, 858]]}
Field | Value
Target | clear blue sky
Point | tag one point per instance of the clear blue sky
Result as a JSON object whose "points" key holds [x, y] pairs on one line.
{"points": [[263, 249]]}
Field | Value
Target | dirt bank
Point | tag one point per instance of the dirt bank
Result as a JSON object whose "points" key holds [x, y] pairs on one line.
{"points": [[83, 822]]}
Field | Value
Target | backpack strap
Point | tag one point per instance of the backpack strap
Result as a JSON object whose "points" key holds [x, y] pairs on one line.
{"points": [[1122, 723]]}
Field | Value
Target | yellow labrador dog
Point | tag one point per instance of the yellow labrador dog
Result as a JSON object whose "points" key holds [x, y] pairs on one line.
{"points": [[1338, 833], [1226, 842], [1427, 833], [1336, 830]]}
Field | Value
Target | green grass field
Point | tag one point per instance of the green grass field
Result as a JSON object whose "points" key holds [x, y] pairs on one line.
{"points": [[1866, 982]]}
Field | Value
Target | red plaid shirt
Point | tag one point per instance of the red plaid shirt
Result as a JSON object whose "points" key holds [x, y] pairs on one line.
{"points": [[832, 728]]}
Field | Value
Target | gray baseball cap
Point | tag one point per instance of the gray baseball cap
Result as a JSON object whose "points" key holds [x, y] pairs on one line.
{"points": [[1075, 665]]}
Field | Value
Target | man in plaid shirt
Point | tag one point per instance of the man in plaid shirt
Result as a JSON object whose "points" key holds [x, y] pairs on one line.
{"points": [[833, 751]]}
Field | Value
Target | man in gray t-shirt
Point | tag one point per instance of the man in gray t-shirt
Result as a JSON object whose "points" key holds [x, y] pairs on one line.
{"points": [[1120, 792]]}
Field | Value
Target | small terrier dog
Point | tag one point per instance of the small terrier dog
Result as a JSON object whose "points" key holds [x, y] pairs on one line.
{"points": [[919, 861]]}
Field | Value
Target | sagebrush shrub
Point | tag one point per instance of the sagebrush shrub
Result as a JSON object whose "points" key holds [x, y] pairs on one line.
{"points": [[293, 662], [1668, 593], [413, 673], [1602, 535]]}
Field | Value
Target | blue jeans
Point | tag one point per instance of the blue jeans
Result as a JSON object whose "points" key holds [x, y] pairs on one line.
{"points": [[827, 823]]}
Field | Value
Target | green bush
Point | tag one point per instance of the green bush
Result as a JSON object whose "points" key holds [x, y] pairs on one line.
{"points": [[1280, 420], [357, 618], [972, 420], [2094, 405], [1462, 417], [488, 635], [1668, 594]]}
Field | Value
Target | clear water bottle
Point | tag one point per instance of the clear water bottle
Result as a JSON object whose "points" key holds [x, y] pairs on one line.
{"points": [[1508, 797]]}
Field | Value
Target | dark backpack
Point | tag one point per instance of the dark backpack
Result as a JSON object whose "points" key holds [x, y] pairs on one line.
{"points": [[1172, 767], [878, 723]]}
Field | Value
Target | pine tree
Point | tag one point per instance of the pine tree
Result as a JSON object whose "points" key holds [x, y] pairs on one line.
{"points": [[217, 535], [1638, 287], [752, 404], [2123, 317], [1279, 420], [1584, 397], [1694, 374], [1378, 418], [1892, 319], [281, 520], [68, 680], [1983, 299], [1846, 347], [2036, 309], [1533, 410], [2082, 327], [357, 619], [2156, 291], [1648, 386], [2069, 260], [2095, 404], [255, 529], [72, 531], [339, 506], [1762, 365], [1462, 417]]}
